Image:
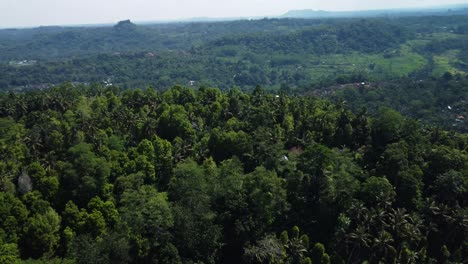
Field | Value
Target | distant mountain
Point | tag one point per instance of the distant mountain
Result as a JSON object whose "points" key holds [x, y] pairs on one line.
{"points": [[461, 9], [125, 25], [311, 13]]}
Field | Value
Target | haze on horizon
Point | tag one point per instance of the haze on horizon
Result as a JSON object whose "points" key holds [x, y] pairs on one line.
{"points": [[32, 13]]}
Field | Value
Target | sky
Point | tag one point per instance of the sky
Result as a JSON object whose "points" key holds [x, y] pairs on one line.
{"points": [[31, 13]]}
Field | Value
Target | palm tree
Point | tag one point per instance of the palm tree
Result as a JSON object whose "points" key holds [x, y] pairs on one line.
{"points": [[7, 108], [378, 219], [408, 257], [399, 222], [296, 250], [383, 247], [21, 106], [267, 250], [359, 211], [359, 239], [34, 140]]}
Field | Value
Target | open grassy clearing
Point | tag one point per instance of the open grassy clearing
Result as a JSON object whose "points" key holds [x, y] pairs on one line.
{"points": [[400, 62], [406, 62], [445, 63]]}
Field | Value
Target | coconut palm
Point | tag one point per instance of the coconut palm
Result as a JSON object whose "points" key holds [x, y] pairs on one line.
{"points": [[383, 248], [359, 239]]}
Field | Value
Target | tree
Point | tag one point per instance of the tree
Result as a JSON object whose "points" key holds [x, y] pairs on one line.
{"points": [[9, 253], [292, 249], [224, 145], [318, 254], [361, 129], [13, 216], [12, 152], [312, 184], [344, 130], [46, 185], [410, 189], [451, 187], [442, 159], [266, 201], [377, 190], [111, 248], [148, 215], [267, 250], [41, 234], [359, 239], [383, 246], [163, 163], [85, 176], [386, 128], [191, 191], [248, 205], [173, 123]]}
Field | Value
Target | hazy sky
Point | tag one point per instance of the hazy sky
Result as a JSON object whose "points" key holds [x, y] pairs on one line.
{"points": [[22, 13]]}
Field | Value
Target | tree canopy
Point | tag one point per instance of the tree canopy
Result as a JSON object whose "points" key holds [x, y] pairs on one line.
{"points": [[94, 174]]}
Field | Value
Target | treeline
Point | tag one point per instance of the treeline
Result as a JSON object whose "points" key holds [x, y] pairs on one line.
{"points": [[101, 175], [367, 36], [440, 46]]}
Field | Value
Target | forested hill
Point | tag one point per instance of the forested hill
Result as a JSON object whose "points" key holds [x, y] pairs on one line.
{"points": [[93, 174], [299, 53], [428, 11], [48, 43]]}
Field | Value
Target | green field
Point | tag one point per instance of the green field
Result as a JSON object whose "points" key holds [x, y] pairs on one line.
{"points": [[400, 62], [444, 63], [394, 63]]}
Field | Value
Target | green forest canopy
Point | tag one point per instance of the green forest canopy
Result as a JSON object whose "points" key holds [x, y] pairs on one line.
{"points": [[95, 174]]}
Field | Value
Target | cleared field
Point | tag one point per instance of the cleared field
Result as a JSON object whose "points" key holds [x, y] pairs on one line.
{"points": [[395, 63], [445, 63], [405, 63]]}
